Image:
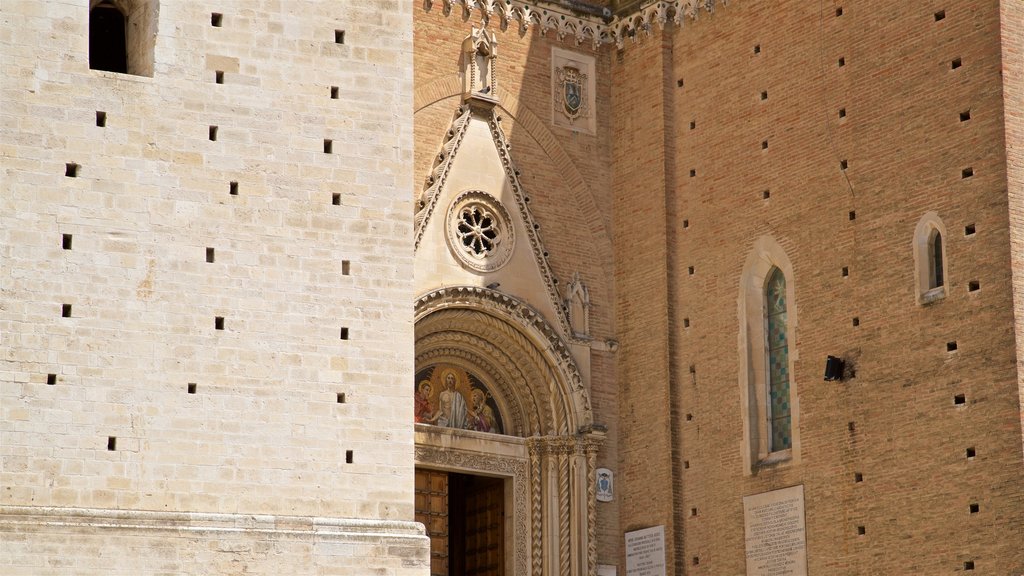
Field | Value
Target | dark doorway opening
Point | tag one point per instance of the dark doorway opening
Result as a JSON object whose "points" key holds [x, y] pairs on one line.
{"points": [[108, 46], [465, 519]]}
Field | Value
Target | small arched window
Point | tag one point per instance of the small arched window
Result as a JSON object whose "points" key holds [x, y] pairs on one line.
{"points": [[778, 409], [108, 40], [930, 259]]}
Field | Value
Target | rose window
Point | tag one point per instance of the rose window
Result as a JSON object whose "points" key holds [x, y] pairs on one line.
{"points": [[479, 231]]}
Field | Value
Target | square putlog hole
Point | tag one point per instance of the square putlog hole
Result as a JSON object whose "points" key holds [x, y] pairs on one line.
{"points": [[328, 146], [111, 443], [970, 453], [841, 62], [858, 477], [101, 119], [210, 255], [65, 310], [965, 115], [967, 173], [191, 388], [852, 215], [344, 333], [766, 194], [842, 112], [65, 241], [335, 93], [346, 267], [218, 76], [233, 188], [216, 20], [940, 15], [969, 565], [339, 36], [340, 397], [974, 508], [956, 63], [51, 379], [951, 346], [349, 457], [686, 322], [969, 230], [336, 199], [845, 271], [764, 95], [757, 48], [861, 530], [973, 286], [213, 133], [71, 170], [959, 400], [218, 323], [839, 11]]}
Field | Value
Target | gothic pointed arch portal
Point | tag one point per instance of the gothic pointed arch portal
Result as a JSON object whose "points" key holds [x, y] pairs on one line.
{"points": [[485, 348]]}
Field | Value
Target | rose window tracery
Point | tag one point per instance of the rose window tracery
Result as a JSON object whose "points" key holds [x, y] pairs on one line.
{"points": [[479, 231]]}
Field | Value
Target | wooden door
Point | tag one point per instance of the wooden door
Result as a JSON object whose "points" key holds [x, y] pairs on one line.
{"points": [[432, 511], [484, 527]]}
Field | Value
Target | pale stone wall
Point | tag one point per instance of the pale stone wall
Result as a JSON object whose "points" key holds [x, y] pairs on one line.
{"points": [[106, 339]]}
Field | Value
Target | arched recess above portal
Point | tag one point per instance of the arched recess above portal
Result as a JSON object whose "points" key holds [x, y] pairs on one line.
{"points": [[524, 335], [518, 362], [445, 93], [497, 371]]}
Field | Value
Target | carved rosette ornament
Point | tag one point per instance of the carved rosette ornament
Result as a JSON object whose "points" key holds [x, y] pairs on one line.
{"points": [[479, 231]]}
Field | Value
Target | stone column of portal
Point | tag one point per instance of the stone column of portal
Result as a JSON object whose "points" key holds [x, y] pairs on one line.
{"points": [[536, 510]]}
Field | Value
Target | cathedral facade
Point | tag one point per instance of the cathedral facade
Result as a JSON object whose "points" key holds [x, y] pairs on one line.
{"points": [[515, 287]]}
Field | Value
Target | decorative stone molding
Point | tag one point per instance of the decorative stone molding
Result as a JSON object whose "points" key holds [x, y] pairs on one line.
{"points": [[525, 14], [530, 322], [439, 175], [532, 228], [661, 13], [583, 28], [508, 466], [479, 231], [15, 518]]}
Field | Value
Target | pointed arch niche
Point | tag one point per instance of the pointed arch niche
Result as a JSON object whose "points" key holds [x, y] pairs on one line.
{"points": [[765, 372], [548, 449]]}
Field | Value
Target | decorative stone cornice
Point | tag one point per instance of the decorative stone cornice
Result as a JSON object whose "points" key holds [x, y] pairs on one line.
{"points": [[660, 12], [582, 27]]}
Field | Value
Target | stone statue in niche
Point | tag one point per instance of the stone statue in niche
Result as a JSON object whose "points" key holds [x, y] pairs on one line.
{"points": [[479, 53], [578, 304]]}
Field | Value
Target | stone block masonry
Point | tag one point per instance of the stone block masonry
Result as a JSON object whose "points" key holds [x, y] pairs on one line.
{"points": [[182, 356]]}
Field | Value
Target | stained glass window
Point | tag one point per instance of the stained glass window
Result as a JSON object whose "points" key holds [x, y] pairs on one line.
{"points": [[779, 417]]}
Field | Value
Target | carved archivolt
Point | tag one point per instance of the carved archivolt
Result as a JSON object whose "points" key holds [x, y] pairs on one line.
{"points": [[593, 28], [525, 336]]}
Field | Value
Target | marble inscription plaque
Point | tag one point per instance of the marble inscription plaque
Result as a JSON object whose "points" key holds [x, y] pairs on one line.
{"points": [[645, 552], [776, 537]]}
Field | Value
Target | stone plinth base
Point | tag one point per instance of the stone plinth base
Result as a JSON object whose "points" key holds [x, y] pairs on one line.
{"points": [[41, 540]]}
